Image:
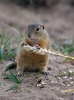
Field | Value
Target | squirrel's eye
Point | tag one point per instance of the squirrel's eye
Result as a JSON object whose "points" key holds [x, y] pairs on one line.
{"points": [[37, 29]]}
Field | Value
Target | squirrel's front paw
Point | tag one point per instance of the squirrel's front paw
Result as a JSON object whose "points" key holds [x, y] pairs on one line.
{"points": [[22, 44], [37, 47], [39, 50]]}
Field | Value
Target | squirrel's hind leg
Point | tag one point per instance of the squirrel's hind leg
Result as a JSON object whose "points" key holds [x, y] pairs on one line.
{"points": [[20, 66], [43, 69]]}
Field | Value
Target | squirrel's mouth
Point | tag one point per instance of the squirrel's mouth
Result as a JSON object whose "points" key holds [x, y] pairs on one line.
{"points": [[31, 39]]}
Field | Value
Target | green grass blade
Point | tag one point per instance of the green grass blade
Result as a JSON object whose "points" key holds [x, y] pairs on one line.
{"points": [[8, 39], [11, 88], [71, 49], [0, 56], [3, 37], [1, 52], [10, 55], [13, 77]]}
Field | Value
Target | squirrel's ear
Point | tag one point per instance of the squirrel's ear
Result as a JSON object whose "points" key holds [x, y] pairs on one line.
{"points": [[43, 27]]}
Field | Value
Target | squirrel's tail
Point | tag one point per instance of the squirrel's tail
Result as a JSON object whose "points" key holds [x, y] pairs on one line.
{"points": [[10, 65]]}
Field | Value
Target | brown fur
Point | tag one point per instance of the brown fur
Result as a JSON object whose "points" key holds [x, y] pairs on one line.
{"points": [[29, 59]]}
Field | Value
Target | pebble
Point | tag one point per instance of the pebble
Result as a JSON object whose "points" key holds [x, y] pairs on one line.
{"points": [[65, 76]]}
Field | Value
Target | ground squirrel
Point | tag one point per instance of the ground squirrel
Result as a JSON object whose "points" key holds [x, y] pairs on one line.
{"points": [[37, 36]]}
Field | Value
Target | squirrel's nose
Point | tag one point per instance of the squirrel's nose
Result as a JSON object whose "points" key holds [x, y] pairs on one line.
{"points": [[29, 35]]}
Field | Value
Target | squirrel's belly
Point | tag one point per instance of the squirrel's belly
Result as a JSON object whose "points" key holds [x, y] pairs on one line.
{"points": [[33, 61]]}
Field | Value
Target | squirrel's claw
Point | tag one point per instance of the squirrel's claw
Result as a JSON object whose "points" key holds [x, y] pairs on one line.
{"points": [[45, 72], [37, 47], [22, 44], [19, 73]]}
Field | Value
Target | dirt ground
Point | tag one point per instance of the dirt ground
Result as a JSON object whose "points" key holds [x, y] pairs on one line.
{"points": [[59, 23]]}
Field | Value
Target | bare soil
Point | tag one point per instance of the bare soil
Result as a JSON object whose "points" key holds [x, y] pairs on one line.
{"points": [[59, 23]]}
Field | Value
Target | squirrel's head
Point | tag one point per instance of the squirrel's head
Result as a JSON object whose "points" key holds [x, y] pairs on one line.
{"points": [[36, 32]]}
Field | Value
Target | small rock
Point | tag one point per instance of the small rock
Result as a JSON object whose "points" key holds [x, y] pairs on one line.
{"points": [[65, 77], [43, 83], [42, 86], [71, 82], [39, 81], [68, 84], [71, 78]]}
